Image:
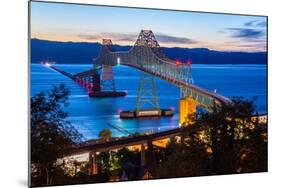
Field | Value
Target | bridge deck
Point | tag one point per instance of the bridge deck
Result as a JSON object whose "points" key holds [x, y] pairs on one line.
{"points": [[86, 73], [99, 147]]}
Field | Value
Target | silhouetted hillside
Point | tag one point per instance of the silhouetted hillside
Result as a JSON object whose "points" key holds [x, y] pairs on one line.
{"points": [[83, 52]]}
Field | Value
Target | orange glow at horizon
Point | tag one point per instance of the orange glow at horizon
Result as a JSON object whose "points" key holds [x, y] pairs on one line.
{"points": [[212, 45]]}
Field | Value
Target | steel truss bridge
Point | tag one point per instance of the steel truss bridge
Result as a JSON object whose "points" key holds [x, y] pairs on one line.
{"points": [[147, 56]]}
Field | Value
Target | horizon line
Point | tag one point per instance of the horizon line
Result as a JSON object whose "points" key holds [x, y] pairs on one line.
{"points": [[160, 45]]}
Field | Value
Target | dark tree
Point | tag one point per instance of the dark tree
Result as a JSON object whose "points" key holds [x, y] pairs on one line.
{"points": [[51, 134], [187, 158], [229, 139], [104, 162], [238, 140], [126, 156]]}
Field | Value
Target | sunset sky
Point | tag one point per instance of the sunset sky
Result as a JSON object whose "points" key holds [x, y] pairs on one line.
{"points": [[84, 23]]}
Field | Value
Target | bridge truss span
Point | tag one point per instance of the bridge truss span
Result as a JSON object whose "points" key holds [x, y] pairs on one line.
{"points": [[147, 56]]}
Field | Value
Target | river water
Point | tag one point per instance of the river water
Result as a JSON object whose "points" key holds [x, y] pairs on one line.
{"points": [[91, 115]]}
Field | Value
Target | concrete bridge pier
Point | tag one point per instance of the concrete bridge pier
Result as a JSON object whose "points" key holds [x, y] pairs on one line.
{"points": [[142, 155], [103, 84], [93, 165], [187, 107], [96, 83], [149, 156]]}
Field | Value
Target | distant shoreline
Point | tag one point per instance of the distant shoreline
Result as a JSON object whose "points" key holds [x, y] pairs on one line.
{"points": [[72, 52]]}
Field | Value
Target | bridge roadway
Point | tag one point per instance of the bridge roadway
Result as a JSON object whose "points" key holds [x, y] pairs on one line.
{"points": [[62, 72], [118, 144]]}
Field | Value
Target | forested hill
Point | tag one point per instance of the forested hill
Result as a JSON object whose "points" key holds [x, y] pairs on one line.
{"points": [[83, 53]]}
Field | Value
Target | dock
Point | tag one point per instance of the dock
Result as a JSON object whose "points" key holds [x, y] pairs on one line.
{"points": [[107, 94], [146, 113]]}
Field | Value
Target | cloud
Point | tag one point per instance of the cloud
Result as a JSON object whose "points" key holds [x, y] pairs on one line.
{"points": [[112, 36], [245, 33], [252, 36], [254, 47], [88, 37], [255, 23], [125, 37], [172, 39], [261, 24], [248, 44], [121, 36], [250, 31]]}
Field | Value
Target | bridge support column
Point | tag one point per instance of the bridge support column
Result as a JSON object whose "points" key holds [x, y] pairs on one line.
{"points": [[147, 97], [149, 156], [93, 165], [96, 83], [143, 155], [187, 107], [108, 79], [84, 81], [88, 83]]}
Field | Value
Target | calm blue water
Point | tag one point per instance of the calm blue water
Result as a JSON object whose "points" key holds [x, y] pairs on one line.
{"points": [[90, 115]]}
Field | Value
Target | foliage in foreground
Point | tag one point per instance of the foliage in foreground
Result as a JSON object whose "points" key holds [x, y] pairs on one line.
{"points": [[227, 140], [105, 134], [51, 134]]}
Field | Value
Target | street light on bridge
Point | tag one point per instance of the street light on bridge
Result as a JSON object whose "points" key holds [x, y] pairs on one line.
{"points": [[189, 62], [118, 60], [189, 74]]}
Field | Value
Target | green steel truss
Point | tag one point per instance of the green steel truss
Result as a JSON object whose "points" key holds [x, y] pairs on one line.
{"points": [[147, 97], [147, 56]]}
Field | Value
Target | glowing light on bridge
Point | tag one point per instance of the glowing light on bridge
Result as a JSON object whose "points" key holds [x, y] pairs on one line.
{"points": [[118, 60], [178, 63], [188, 62], [47, 63], [119, 111]]}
